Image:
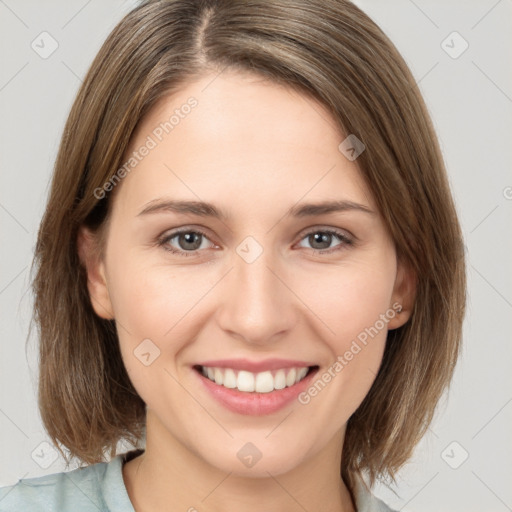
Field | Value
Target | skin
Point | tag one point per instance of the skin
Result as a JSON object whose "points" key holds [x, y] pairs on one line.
{"points": [[254, 149]]}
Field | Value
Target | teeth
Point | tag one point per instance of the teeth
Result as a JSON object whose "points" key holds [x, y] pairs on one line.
{"points": [[280, 379], [263, 382], [290, 377], [229, 378], [219, 376], [301, 374], [245, 381]]}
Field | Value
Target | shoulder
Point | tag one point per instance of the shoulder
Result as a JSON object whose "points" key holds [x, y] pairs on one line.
{"points": [[89, 489], [78, 488], [366, 501]]}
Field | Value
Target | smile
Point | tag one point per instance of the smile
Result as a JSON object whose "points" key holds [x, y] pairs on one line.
{"points": [[261, 382], [255, 388]]}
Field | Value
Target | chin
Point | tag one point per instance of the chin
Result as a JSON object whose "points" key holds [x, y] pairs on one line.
{"points": [[246, 460]]}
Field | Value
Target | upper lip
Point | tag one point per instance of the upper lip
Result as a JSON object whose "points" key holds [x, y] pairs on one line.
{"points": [[255, 366]]}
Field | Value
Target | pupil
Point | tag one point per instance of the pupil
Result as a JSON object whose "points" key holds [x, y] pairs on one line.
{"points": [[322, 238], [189, 239]]}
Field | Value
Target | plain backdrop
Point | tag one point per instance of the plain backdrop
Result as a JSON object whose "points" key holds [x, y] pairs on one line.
{"points": [[460, 52]]}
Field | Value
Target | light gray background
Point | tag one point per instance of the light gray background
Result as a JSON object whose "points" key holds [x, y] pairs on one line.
{"points": [[470, 99]]}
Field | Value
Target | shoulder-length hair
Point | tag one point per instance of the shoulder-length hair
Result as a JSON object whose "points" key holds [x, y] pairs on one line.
{"points": [[330, 50]]}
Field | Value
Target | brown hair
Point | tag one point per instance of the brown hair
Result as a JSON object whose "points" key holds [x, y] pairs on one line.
{"points": [[330, 50]]}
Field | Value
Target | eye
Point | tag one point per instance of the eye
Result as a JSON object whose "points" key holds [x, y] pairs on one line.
{"points": [[189, 241], [321, 239]]}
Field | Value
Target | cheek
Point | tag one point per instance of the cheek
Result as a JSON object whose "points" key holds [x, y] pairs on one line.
{"points": [[151, 306], [351, 298], [158, 310], [148, 299], [354, 306]]}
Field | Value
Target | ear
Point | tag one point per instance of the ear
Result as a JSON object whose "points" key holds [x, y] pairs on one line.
{"points": [[90, 257], [404, 295]]}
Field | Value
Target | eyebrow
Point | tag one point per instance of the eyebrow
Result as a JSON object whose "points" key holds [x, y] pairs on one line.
{"points": [[204, 209]]}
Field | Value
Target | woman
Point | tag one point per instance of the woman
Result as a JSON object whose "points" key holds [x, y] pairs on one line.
{"points": [[250, 265]]}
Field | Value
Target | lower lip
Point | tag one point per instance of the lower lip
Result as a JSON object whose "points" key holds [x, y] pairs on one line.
{"points": [[255, 404]]}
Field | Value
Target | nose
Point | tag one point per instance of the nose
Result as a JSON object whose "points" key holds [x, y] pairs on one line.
{"points": [[257, 304]]}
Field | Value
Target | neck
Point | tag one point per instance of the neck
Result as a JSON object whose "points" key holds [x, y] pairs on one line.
{"points": [[168, 476]]}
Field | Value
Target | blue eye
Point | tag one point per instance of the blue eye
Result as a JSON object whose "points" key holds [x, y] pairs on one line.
{"points": [[191, 240]]}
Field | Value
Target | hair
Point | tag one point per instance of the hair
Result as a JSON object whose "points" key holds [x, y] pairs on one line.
{"points": [[331, 51]]}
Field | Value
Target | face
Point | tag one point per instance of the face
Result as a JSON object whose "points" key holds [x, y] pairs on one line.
{"points": [[286, 306]]}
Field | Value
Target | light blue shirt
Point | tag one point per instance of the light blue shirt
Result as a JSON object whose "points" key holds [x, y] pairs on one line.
{"points": [[100, 488]]}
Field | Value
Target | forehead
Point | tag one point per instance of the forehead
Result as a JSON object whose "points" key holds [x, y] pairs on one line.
{"points": [[237, 136]]}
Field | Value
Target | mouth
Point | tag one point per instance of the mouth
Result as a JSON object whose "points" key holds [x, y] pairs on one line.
{"points": [[251, 382], [258, 392]]}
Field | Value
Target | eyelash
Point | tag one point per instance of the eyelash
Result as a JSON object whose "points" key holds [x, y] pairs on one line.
{"points": [[344, 239]]}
